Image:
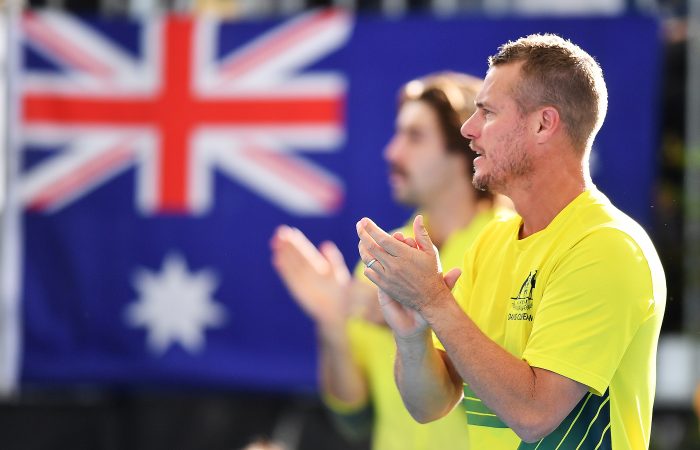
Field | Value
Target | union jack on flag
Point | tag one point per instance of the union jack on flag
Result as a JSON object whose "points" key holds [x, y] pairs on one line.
{"points": [[179, 107]]}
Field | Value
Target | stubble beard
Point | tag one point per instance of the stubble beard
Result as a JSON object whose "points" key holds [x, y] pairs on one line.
{"points": [[406, 198], [405, 195], [480, 183], [516, 165]]}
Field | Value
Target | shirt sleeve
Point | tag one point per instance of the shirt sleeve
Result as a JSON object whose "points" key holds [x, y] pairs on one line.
{"points": [[594, 302]]}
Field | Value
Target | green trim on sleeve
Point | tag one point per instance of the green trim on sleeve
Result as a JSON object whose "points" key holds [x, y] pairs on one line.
{"points": [[587, 427], [356, 425], [477, 413], [340, 407]]}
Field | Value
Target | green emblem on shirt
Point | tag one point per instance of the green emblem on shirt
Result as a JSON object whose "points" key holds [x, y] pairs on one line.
{"points": [[521, 304]]}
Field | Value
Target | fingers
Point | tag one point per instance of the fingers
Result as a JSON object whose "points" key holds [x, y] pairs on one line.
{"points": [[376, 243], [275, 240], [408, 240], [451, 277], [369, 249], [335, 258], [331, 252], [306, 251], [293, 252], [383, 298], [421, 234], [388, 243], [282, 254], [411, 242]]}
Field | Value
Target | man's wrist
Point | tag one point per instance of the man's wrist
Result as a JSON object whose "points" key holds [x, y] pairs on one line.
{"points": [[415, 340], [438, 305], [333, 332]]}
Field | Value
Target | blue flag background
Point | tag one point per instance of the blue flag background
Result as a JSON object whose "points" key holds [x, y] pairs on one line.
{"points": [[85, 266]]}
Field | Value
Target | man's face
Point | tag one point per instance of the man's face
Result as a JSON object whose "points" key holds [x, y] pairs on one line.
{"points": [[498, 132], [420, 167]]}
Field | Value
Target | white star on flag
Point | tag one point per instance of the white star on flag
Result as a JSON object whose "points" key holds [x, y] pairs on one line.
{"points": [[175, 305]]}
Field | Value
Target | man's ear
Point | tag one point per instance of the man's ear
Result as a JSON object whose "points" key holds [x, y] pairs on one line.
{"points": [[548, 123]]}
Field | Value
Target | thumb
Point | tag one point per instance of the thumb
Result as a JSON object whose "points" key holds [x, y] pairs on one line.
{"points": [[335, 258], [421, 234], [383, 298], [451, 277]]}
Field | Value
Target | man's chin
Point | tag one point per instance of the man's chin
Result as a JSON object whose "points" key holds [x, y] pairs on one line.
{"points": [[405, 200], [480, 183]]}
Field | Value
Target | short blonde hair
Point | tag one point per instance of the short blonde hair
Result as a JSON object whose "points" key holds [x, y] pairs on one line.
{"points": [[558, 73]]}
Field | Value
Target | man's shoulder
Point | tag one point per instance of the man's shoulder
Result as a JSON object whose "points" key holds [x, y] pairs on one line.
{"points": [[601, 233], [601, 220]]}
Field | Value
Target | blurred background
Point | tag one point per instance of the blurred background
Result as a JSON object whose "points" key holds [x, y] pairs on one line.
{"points": [[151, 148]]}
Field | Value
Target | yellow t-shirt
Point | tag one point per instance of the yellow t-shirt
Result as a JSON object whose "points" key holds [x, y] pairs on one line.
{"points": [[374, 349], [583, 298]]}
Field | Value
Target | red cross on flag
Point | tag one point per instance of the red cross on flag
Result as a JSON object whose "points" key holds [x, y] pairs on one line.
{"points": [[184, 109]]}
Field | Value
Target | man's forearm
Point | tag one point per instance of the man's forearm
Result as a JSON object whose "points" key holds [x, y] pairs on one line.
{"points": [[429, 386], [529, 400], [340, 376]]}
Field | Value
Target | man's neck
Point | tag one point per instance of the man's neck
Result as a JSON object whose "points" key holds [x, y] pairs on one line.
{"points": [[540, 198]]}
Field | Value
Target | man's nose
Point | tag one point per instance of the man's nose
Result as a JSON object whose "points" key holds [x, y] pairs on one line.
{"points": [[392, 149], [469, 128]]}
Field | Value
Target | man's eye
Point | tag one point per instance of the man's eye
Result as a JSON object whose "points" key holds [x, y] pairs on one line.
{"points": [[414, 136]]}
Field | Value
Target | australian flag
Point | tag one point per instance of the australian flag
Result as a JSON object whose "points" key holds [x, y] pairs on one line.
{"points": [[154, 158]]}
